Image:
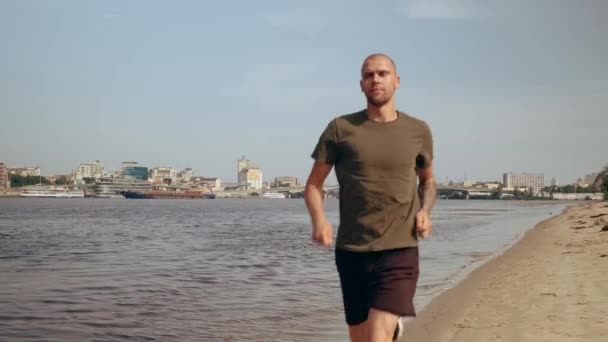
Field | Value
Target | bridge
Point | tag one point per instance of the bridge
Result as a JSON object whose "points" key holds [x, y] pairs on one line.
{"points": [[448, 192]]}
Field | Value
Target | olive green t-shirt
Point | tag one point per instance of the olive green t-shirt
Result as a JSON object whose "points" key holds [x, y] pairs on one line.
{"points": [[375, 164]]}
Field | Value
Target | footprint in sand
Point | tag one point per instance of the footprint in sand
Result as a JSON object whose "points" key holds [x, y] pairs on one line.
{"points": [[598, 215]]}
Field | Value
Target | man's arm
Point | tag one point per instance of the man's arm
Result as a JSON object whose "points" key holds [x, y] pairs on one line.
{"points": [[313, 195], [427, 190]]}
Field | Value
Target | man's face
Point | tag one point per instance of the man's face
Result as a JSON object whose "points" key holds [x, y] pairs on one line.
{"points": [[379, 80]]}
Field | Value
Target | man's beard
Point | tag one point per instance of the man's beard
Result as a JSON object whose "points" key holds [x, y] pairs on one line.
{"points": [[378, 102]]}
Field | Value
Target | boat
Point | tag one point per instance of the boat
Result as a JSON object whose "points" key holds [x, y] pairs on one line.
{"points": [[273, 195], [160, 194], [51, 191], [113, 187]]}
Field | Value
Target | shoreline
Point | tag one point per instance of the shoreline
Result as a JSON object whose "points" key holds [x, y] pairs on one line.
{"points": [[517, 294]]}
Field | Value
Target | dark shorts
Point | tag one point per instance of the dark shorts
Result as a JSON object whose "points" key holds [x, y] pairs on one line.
{"points": [[383, 280]]}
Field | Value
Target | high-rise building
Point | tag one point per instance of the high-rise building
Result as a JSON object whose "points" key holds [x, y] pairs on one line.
{"points": [[89, 170], [242, 164], [249, 175], [252, 178], [524, 180], [5, 179]]}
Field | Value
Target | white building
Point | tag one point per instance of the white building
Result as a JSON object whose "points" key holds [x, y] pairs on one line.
{"points": [[212, 183], [89, 170], [249, 175], [160, 174], [25, 171], [524, 181], [252, 177], [185, 175], [285, 181]]}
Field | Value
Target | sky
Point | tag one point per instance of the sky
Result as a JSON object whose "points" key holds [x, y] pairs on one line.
{"points": [[508, 85]]}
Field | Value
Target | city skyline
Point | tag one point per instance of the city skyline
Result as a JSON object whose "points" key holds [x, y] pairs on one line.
{"points": [[504, 87], [585, 179]]}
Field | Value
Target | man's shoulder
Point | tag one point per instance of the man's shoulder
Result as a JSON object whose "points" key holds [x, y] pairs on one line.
{"points": [[350, 118], [412, 120]]}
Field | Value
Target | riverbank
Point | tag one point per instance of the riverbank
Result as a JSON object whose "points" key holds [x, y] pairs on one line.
{"points": [[551, 285]]}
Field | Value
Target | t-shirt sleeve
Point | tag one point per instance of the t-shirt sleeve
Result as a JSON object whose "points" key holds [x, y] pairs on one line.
{"points": [[326, 149], [425, 156]]}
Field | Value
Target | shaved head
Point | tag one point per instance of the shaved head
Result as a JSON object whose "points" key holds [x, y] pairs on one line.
{"points": [[379, 79], [379, 56]]}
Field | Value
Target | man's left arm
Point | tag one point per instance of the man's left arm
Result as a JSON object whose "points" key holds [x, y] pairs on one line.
{"points": [[427, 191]]}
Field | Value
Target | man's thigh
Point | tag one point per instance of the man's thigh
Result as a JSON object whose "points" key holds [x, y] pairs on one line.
{"points": [[384, 280], [353, 270], [393, 280]]}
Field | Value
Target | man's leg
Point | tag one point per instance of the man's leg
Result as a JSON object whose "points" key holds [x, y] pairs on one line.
{"points": [[353, 282], [393, 286], [359, 332], [381, 325]]}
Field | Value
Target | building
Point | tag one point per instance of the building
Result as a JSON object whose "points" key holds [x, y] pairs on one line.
{"points": [[5, 179], [137, 172], [185, 175], [285, 181], [215, 184], [89, 170], [553, 181], [25, 171], [163, 175], [242, 164], [492, 186], [252, 177], [524, 181], [126, 164], [249, 175], [589, 179]]}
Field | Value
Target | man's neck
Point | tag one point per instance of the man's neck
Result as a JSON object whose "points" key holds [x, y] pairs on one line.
{"points": [[384, 113]]}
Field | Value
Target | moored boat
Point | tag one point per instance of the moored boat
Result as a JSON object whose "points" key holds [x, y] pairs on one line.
{"points": [[160, 194], [51, 191]]}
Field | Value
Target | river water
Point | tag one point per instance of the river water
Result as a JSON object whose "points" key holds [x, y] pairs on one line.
{"points": [[207, 270]]}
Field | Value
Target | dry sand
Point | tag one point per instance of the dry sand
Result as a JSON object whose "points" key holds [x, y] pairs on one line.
{"points": [[551, 286]]}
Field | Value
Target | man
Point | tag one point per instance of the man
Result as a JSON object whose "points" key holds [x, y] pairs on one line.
{"points": [[377, 154]]}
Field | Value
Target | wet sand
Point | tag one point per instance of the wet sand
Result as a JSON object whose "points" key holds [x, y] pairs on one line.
{"points": [[550, 286]]}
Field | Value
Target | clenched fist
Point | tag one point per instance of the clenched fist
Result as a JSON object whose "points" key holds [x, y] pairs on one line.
{"points": [[423, 224], [322, 233]]}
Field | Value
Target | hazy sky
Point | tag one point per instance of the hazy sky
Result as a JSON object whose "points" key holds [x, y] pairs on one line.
{"points": [[504, 85]]}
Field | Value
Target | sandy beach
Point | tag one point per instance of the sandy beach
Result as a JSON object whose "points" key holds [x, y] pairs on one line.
{"points": [[550, 286]]}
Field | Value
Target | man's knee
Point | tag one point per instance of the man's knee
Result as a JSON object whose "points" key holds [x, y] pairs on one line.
{"points": [[381, 325]]}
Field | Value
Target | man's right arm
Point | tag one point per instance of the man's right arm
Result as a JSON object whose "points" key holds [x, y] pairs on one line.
{"points": [[313, 195]]}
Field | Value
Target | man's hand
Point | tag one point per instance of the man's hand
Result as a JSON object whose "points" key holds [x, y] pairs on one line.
{"points": [[423, 224], [322, 233]]}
